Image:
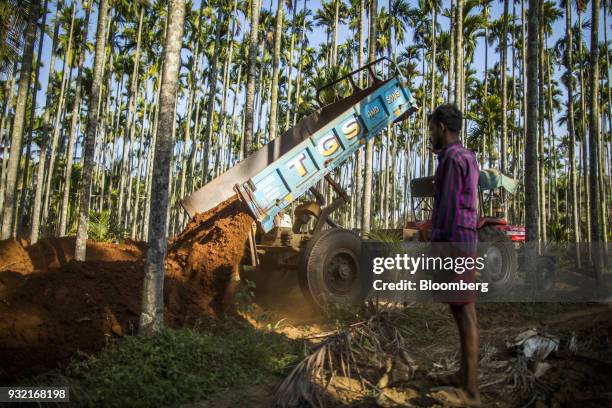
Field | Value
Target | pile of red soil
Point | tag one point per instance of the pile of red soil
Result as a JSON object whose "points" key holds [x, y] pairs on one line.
{"points": [[52, 253], [52, 308], [14, 257], [203, 260], [45, 317]]}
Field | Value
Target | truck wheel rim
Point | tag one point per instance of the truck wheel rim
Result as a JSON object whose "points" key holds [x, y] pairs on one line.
{"points": [[494, 263], [340, 272]]}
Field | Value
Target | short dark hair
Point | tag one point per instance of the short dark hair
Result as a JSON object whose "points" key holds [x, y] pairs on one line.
{"points": [[447, 114]]}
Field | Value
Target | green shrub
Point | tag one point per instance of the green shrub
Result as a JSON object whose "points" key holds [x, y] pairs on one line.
{"points": [[101, 228], [175, 367]]}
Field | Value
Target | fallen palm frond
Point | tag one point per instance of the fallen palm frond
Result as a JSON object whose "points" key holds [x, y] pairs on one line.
{"points": [[524, 380], [363, 350]]}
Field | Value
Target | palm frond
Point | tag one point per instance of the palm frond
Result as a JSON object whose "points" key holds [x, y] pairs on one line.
{"points": [[363, 351], [14, 17]]}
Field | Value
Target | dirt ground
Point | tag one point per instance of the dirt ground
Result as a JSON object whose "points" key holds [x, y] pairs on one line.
{"points": [[581, 377], [52, 308]]}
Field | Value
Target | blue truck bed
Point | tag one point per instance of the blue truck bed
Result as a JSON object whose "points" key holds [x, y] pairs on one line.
{"points": [[285, 179], [281, 171]]}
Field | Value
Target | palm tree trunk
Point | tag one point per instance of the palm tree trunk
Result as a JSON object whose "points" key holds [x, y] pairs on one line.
{"points": [[486, 41], [212, 83], [24, 180], [236, 90], [151, 160], [541, 174], [290, 68], [554, 191], [151, 318], [571, 129], [367, 187], [46, 128], [434, 19], [18, 125], [524, 65], [391, 179], [504, 86], [249, 146], [451, 59], [382, 179], [432, 91], [225, 139], [334, 50], [126, 168], [76, 110], [299, 73], [358, 185], [273, 120], [188, 115], [8, 105], [265, 96], [603, 166], [531, 144], [142, 152], [90, 132], [458, 54], [594, 138], [259, 103], [584, 154], [55, 141]]}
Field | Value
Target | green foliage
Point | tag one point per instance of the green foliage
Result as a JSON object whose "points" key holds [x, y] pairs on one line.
{"points": [[392, 239], [387, 236], [102, 227], [343, 315], [245, 295], [175, 367], [14, 16], [276, 325], [336, 92], [558, 232]]}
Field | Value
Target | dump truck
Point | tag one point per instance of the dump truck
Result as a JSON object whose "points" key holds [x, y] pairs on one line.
{"points": [[282, 171]]}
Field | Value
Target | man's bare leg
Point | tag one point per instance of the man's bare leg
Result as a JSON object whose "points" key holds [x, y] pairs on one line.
{"points": [[467, 323]]}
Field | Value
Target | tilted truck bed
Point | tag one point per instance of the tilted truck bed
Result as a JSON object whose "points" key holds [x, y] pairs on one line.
{"points": [[284, 169]]}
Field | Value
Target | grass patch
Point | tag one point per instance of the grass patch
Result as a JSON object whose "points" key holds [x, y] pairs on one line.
{"points": [[343, 315], [175, 366]]}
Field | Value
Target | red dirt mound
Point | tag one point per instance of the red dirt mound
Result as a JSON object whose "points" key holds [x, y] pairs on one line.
{"points": [[14, 257], [46, 316], [55, 252]]}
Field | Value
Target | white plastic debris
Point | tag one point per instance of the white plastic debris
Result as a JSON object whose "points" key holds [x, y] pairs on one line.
{"points": [[536, 345], [540, 368]]}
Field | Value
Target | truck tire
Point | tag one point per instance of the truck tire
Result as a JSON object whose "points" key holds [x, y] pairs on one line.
{"points": [[328, 268], [501, 263]]}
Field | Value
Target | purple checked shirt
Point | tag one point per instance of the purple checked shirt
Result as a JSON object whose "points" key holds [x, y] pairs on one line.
{"points": [[454, 216]]}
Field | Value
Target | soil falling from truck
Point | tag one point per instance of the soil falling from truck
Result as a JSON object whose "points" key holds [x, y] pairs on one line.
{"points": [[204, 258], [53, 308]]}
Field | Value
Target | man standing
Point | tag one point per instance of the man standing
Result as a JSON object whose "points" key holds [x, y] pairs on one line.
{"points": [[454, 222]]}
